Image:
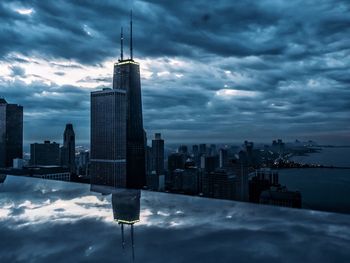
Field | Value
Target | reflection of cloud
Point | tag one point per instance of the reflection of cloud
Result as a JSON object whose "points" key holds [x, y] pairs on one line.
{"points": [[43, 221]]}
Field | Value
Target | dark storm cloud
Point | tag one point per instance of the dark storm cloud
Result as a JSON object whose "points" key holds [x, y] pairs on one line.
{"points": [[294, 55], [60, 29]]}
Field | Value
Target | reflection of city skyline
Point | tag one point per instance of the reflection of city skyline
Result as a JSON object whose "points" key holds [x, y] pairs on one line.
{"points": [[171, 226]]}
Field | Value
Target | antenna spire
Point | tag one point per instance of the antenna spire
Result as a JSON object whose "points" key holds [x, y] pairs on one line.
{"points": [[121, 44], [131, 55]]}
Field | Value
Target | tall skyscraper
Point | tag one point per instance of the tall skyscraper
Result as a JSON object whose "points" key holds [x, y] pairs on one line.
{"points": [[158, 154], [68, 149], [124, 110], [108, 138], [153, 179], [126, 77], [11, 132]]}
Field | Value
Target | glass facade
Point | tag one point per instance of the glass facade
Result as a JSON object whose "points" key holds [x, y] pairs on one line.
{"points": [[126, 77], [11, 133], [108, 138]]}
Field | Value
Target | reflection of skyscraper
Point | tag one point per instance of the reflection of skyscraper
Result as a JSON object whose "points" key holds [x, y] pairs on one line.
{"points": [[117, 135], [68, 149], [11, 132], [126, 211], [126, 206]]}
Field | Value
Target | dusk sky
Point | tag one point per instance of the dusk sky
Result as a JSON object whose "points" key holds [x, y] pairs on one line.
{"points": [[225, 72]]}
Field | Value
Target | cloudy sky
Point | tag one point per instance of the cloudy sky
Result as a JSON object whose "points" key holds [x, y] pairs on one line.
{"points": [[231, 71]]}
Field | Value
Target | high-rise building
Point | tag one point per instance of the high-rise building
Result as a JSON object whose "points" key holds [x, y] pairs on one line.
{"points": [[280, 196], [158, 154], [221, 184], [263, 179], [242, 168], [149, 160], [195, 154], [68, 148], [195, 150], [47, 153], [176, 161], [122, 128], [212, 149], [11, 132], [157, 162], [83, 162], [183, 149], [202, 149], [209, 163], [223, 158], [126, 77], [108, 138]]}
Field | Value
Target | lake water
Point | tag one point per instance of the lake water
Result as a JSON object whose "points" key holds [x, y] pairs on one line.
{"points": [[339, 157], [322, 189]]}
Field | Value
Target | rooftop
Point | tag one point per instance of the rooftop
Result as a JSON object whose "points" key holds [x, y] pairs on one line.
{"points": [[52, 221]]}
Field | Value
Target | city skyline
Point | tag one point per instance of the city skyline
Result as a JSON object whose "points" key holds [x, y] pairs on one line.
{"points": [[230, 73]]}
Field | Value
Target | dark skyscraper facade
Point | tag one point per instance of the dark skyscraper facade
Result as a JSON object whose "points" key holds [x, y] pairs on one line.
{"points": [[108, 138], [158, 154], [68, 149], [11, 133], [127, 77], [46, 153], [125, 112]]}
